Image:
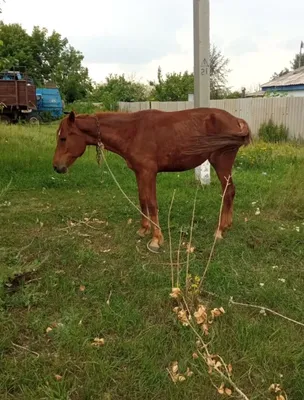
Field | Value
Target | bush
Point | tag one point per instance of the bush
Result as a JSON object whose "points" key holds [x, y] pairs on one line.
{"points": [[109, 102], [84, 107], [271, 132]]}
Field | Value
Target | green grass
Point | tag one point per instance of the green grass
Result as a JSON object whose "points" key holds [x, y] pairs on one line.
{"points": [[142, 335]]}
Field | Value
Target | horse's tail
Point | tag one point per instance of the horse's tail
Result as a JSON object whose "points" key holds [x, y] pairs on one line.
{"points": [[211, 142], [245, 132]]}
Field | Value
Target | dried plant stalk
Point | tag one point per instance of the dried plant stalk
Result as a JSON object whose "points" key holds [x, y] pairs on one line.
{"points": [[226, 376], [231, 301], [215, 238], [178, 258], [170, 239], [190, 241]]}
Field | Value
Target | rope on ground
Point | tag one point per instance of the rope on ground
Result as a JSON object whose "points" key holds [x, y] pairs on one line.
{"points": [[236, 303]]}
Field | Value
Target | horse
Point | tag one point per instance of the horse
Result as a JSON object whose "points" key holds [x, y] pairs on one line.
{"points": [[154, 141]]}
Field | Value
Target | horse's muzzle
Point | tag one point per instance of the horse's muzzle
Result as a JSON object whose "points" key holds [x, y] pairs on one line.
{"points": [[60, 169]]}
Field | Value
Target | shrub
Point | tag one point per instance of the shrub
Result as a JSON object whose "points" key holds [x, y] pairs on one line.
{"points": [[84, 107], [271, 132]]}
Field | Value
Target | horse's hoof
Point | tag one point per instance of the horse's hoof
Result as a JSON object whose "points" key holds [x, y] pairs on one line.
{"points": [[218, 235], [153, 247], [161, 240], [143, 232]]}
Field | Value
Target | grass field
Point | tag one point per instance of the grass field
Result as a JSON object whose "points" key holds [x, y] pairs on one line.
{"points": [[83, 273]]}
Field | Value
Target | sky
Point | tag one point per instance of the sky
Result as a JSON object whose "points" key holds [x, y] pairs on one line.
{"points": [[134, 37]]}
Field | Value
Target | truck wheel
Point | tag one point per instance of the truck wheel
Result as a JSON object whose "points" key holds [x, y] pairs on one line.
{"points": [[4, 119], [34, 119]]}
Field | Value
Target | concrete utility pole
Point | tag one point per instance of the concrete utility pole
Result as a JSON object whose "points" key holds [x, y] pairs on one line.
{"points": [[300, 56], [201, 36]]}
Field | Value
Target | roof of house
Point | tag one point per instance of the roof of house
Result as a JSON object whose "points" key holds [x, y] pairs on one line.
{"points": [[259, 93], [292, 78]]}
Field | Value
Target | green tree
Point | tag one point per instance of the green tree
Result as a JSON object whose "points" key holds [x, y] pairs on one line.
{"points": [[177, 86], [281, 73], [70, 76], [46, 51], [118, 88], [46, 58], [218, 73], [233, 95], [61, 63], [16, 46], [295, 62], [5, 62]]}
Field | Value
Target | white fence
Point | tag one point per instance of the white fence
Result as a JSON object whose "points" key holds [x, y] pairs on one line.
{"points": [[286, 110]]}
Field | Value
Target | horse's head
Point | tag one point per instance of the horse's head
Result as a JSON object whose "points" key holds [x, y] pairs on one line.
{"points": [[71, 144]]}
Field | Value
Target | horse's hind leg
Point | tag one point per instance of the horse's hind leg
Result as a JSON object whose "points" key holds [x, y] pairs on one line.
{"points": [[223, 162]]}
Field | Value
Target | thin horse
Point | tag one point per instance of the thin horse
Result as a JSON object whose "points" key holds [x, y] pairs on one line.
{"points": [[154, 141]]}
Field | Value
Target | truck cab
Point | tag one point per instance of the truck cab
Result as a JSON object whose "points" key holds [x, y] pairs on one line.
{"points": [[49, 101]]}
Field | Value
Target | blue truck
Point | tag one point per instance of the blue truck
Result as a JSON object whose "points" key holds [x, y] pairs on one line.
{"points": [[21, 100]]}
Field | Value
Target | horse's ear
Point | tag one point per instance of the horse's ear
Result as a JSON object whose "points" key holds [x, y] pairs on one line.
{"points": [[72, 117]]}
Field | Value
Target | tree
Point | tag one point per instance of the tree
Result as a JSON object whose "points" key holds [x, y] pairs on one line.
{"points": [[16, 47], [234, 95], [281, 73], [117, 88], [46, 58], [177, 86], [295, 62], [218, 73], [4, 61], [70, 76]]}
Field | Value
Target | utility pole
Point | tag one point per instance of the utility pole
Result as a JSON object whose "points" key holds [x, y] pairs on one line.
{"points": [[201, 37], [300, 56]]}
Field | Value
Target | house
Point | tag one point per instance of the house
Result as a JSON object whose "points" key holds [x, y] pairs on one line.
{"points": [[290, 84], [259, 93]]}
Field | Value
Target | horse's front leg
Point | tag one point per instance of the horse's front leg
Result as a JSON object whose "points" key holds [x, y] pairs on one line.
{"points": [[145, 228], [146, 182]]}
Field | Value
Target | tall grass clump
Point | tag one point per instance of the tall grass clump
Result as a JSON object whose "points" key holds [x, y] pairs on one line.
{"points": [[273, 133]]}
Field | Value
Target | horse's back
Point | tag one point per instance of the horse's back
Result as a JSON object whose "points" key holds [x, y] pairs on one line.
{"points": [[196, 114]]}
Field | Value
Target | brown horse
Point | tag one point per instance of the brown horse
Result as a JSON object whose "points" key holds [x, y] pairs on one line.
{"points": [[154, 141]]}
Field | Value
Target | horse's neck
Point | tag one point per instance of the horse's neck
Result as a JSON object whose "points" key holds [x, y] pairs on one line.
{"points": [[116, 130], [116, 120]]}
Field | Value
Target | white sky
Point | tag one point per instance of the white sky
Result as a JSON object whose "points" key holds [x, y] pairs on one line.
{"points": [[134, 37]]}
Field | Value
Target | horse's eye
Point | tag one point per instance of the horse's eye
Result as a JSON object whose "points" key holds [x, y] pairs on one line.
{"points": [[63, 139]]}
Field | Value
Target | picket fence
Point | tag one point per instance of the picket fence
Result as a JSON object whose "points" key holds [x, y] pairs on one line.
{"points": [[286, 110]]}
